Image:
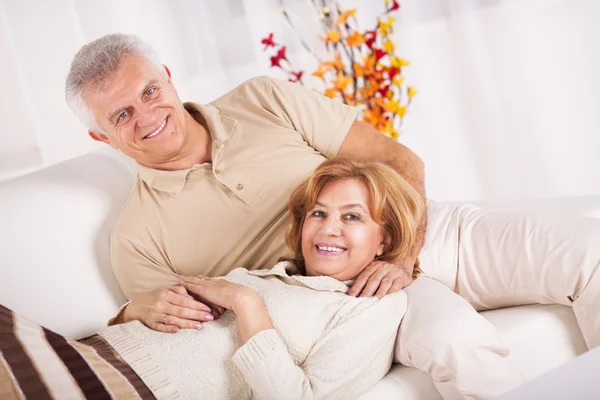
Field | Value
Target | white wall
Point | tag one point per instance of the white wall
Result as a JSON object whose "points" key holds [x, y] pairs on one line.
{"points": [[508, 90]]}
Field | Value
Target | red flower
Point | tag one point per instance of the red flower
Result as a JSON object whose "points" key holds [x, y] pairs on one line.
{"points": [[395, 7], [370, 37], [296, 76], [384, 90], [268, 41], [392, 72], [379, 54], [276, 59]]}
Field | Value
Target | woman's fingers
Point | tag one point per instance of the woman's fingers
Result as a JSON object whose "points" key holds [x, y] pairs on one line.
{"points": [[160, 327], [183, 323], [180, 297], [189, 314]]}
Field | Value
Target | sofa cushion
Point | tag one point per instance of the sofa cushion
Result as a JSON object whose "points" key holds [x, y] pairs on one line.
{"points": [[55, 263], [37, 363], [541, 337]]}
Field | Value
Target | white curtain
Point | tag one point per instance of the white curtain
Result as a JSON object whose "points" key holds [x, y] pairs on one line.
{"points": [[508, 102]]}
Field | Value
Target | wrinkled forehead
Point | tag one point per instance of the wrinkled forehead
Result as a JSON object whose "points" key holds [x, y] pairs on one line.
{"points": [[129, 68]]}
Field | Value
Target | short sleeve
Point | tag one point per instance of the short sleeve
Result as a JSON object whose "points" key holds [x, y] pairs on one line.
{"points": [[137, 269], [322, 122]]}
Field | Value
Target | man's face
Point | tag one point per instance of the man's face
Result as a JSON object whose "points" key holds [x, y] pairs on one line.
{"points": [[141, 113]]}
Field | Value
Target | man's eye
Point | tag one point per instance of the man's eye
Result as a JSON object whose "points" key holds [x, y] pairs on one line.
{"points": [[150, 92], [123, 115]]}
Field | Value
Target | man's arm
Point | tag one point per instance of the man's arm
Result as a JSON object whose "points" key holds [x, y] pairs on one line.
{"points": [[365, 143]]}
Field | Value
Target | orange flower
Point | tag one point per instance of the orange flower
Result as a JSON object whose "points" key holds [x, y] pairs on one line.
{"points": [[320, 71], [343, 18], [342, 82], [355, 39], [331, 92], [336, 63], [332, 37]]}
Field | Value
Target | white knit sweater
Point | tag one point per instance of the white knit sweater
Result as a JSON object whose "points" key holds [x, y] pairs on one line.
{"points": [[325, 345]]}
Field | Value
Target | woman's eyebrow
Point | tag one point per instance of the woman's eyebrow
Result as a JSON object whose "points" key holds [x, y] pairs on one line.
{"points": [[345, 206], [354, 205]]}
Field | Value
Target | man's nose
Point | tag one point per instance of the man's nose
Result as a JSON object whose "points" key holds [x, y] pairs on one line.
{"points": [[147, 116]]}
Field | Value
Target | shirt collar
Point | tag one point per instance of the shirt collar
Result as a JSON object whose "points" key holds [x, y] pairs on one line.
{"points": [[290, 274], [220, 127]]}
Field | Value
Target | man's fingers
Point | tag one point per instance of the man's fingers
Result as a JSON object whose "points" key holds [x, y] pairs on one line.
{"points": [[360, 282], [400, 283], [384, 286], [371, 286]]}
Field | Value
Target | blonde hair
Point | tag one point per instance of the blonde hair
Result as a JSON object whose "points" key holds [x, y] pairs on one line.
{"points": [[394, 204]]}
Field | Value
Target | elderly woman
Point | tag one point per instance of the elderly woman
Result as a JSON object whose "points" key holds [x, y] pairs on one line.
{"points": [[291, 332]]}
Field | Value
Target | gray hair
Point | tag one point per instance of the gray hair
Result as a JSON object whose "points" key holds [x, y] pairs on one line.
{"points": [[95, 63]]}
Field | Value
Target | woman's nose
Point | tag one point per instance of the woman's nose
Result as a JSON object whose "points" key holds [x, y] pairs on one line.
{"points": [[331, 226]]}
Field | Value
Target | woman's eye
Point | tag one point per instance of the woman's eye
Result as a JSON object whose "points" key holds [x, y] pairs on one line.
{"points": [[352, 217], [318, 214]]}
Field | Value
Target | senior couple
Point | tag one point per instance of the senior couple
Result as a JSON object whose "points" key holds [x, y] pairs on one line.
{"points": [[271, 241]]}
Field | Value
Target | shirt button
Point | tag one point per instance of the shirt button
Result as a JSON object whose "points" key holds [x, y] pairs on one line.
{"points": [[239, 186], [217, 171]]}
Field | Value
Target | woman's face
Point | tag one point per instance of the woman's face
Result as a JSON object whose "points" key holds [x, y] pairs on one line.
{"points": [[339, 237]]}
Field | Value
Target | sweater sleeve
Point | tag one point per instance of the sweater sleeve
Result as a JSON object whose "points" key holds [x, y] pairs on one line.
{"points": [[345, 362]]}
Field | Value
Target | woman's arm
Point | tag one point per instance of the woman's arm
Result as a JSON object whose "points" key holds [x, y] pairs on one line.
{"points": [[251, 315], [346, 361]]}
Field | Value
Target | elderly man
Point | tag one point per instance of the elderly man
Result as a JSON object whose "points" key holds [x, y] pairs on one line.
{"points": [[211, 195]]}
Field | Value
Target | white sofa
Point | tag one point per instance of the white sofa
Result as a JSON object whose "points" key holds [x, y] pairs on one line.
{"points": [[55, 270]]}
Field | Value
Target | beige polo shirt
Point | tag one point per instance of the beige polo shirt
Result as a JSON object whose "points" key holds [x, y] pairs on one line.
{"points": [[268, 136]]}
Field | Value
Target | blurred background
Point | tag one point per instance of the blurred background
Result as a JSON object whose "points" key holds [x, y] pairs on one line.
{"points": [[508, 103]]}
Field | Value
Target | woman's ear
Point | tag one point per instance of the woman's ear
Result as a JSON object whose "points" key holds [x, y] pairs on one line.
{"points": [[385, 243]]}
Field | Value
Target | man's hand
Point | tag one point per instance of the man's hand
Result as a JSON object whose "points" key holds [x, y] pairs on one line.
{"points": [[168, 309], [380, 278]]}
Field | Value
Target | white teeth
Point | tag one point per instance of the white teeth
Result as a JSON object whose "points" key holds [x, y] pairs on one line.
{"points": [[329, 248], [156, 132]]}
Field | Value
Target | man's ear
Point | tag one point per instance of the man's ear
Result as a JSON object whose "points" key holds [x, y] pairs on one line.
{"points": [[101, 137], [168, 72]]}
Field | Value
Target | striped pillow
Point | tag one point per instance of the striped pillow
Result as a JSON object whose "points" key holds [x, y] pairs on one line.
{"points": [[36, 363]]}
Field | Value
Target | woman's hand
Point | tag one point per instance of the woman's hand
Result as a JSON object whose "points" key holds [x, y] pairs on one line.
{"points": [[250, 311], [167, 309], [218, 292]]}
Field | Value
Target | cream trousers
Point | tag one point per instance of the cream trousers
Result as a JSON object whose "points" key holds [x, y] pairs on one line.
{"points": [[493, 259]]}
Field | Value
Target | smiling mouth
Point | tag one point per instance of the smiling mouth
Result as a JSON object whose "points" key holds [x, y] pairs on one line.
{"points": [[158, 130], [330, 250]]}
